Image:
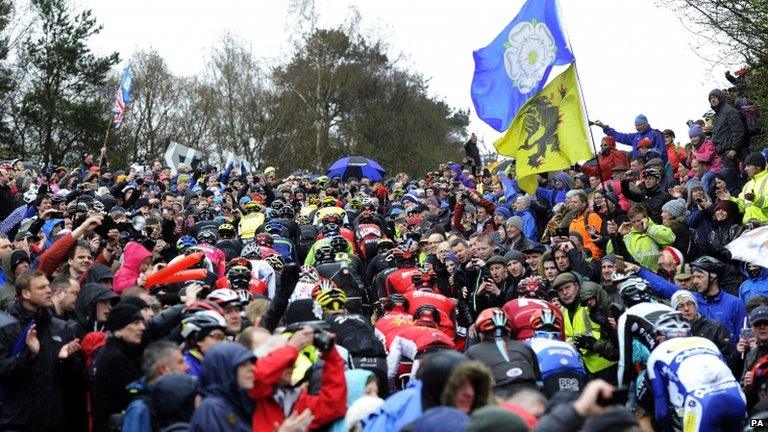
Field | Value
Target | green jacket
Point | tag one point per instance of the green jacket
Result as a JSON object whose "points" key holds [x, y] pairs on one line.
{"points": [[645, 246], [758, 208]]}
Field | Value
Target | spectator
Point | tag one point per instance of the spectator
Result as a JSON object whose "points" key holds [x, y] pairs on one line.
{"points": [[729, 136], [644, 131]]}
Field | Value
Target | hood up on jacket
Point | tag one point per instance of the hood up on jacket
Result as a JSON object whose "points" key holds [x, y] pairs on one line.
{"points": [[589, 290], [98, 273], [173, 398], [356, 381], [720, 95], [133, 255], [565, 178], [85, 305], [443, 373], [218, 376]]}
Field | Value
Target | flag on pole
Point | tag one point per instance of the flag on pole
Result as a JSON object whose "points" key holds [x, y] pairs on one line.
{"points": [[516, 65], [549, 133], [122, 98]]}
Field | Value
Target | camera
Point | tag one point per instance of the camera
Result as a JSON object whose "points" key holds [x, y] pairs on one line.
{"points": [[322, 341]]}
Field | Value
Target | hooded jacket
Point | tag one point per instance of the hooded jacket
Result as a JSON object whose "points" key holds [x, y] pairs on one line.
{"points": [[437, 382], [555, 195], [34, 385], [225, 406], [728, 130], [8, 289], [656, 137], [85, 309], [326, 406], [645, 246], [117, 365], [757, 208], [753, 286], [129, 272], [98, 273], [612, 160]]}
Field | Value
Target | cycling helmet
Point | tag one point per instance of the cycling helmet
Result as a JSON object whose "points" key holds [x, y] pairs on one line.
{"points": [[227, 229], [277, 262], [252, 206], [384, 245], [330, 229], [531, 287], [185, 242], [277, 204], [303, 220], [287, 212], [397, 194], [406, 252], [491, 319], [706, 264], [199, 324], [205, 214], [325, 254], [251, 251], [546, 323], [355, 204], [339, 244], [207, 236], [224, 297], [308, 274], [265, 240], [31, 195], [427, 316], [239, 262], [329, 296], [331, 218], [633, 290], [274, 227], [313, 200], [202, 305], [395, 300], [672, 324], [239, 277], [328, 202]]}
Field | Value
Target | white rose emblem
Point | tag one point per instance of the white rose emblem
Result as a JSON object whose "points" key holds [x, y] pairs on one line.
{"points": [[530, 50]]}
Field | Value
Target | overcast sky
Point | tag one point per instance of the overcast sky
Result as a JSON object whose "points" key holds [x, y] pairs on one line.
{"points": [[633, 56]]}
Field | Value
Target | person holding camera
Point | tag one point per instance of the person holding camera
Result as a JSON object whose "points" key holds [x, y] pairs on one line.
{"points": [[275, 396], [651, 194]]}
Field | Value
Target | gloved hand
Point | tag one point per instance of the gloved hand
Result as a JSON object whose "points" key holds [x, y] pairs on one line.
{"points": [[584, 341]]}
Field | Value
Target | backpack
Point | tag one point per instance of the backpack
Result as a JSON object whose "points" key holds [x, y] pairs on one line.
{"points": [[92, 343]]}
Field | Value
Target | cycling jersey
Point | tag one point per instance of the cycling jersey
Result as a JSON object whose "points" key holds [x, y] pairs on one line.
{"points": [[249, 224], [397, 280], [194, 360], [560, 365], [445, 306], [636, 323], [690, 375], [512, 363], [216, 257], [412, 341], [390, 325]]}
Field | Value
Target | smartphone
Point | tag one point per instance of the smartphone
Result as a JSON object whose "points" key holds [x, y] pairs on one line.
{"points": [[619, 397], [561, 232], [107, 223], [747, 334]]}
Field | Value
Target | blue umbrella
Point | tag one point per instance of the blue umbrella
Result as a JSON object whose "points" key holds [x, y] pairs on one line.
{"points": [[356, 166]]}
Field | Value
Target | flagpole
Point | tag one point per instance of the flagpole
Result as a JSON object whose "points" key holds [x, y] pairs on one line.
{"points": [[106, 135], [581, 96]]}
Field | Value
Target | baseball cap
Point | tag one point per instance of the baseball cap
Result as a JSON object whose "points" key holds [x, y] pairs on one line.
{"points": [[758, 314]]}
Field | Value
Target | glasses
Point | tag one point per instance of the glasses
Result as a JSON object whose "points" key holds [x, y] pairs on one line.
{"points": [[217, 336], [760, 324]]}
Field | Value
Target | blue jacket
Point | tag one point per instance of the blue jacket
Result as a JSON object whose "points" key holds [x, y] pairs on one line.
{"points": [[225, 407], [555, 195], [723, 307], [398, 410], [753, 286], [656, 137], [529, 224]]}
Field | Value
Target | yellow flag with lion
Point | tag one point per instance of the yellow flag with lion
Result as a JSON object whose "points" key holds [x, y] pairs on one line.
{"points": [[549, 133]]}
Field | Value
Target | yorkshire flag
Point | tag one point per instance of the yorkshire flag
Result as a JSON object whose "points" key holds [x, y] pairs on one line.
{"points": [[549, 132], [516, 65]]}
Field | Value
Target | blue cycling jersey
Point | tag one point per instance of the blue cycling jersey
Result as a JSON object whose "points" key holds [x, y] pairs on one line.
{"points": [[556, 356]]}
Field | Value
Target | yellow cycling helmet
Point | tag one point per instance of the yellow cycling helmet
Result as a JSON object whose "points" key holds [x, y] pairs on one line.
{"points": [[329, 296]]}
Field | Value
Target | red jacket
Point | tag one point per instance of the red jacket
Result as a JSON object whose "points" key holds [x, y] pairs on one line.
{"points": [[608, 163], [391, 323], [328, 405]]}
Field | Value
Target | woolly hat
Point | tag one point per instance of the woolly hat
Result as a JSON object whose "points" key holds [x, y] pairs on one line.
{"points": [[410, 198], [675, 208], [675, 253], [495, 418], [433, 201], [644, 143], [695, 131], [514, 255], [503, 211], [469, 208], [610, 141], [515, 221], [681, 296], [755, 159], [641, 119], [122, 315], [610, 258], [618, 419], [18, 256]]}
